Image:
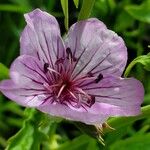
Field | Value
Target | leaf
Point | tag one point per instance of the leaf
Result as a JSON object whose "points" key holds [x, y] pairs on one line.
{"points": [[23, 3], [144, 60], [78, 143], [29, 137], [64, 4], [133, 143], [13, 8], [122, 24], [100, 7], [119, 122], [86, 9], [4, 72], [76, 2], [140, 12], [37, 129]]}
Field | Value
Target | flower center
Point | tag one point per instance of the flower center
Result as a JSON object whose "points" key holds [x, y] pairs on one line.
{"points": [[63, 88]]}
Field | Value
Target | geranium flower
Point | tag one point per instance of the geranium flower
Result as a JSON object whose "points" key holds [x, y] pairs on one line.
{"points": [[78, 78]]}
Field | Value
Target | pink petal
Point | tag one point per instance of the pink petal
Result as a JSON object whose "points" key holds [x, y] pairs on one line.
{"points": [[41, 37], [24, 96], [96, 48], [28, 71], [56, 109], [26, 84], [116, 96]]}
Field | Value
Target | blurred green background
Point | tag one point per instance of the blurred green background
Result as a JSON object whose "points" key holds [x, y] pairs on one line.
{"points": [[130, 19]]}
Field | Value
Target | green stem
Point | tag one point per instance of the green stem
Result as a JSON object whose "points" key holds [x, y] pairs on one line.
{"points": [[13, 8], [130, 66], [86, 9], [3, 142]]}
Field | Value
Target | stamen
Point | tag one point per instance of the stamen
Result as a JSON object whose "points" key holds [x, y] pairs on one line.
{"points": [[90, 74], [84, 79], [72, 94], [46, 65], [100, 77], [69, 53], [84, 93], [60, 91], [91, 101], [48, 87], [59, 61], [52, 70]]}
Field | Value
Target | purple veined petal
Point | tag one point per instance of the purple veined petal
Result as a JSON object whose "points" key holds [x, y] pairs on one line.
{"points": [[96, 48], [41, 37], [28, 71], [71, 113], [24, 96], [116, 96]]}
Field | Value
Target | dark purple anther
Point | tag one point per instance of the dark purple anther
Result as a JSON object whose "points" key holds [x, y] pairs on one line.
{"points": [[69, 53], [100, 77], [46, 65], [59, 61], [91, 101]]}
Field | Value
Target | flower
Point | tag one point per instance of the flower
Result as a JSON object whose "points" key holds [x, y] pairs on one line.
{"points": [[78, 78]]}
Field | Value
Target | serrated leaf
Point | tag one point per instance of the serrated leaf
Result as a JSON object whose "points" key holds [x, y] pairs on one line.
{"points": [[76, 2], [140, 12], [64, 5], [144, 60], [86, 9], [4, 72]]}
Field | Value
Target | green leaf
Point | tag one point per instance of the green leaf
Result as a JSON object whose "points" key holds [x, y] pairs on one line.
{"points": [[76, 2], [38, 129], [64, 4], [100, 7], [133, 143], [122, 24], [119, 122], [78, 143], [86, 9], [29, 137], [4, 72], [144, 60], [13, 8], [140, 12]]}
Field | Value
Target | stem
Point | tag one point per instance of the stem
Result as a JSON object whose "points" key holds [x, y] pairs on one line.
{"points": [[86, 9]]}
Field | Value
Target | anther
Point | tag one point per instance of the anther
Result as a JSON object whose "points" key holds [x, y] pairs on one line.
{"points": [[69, 53], [90, 74], [46, 65], [99, 78], [59, 61], [91, 101]]}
